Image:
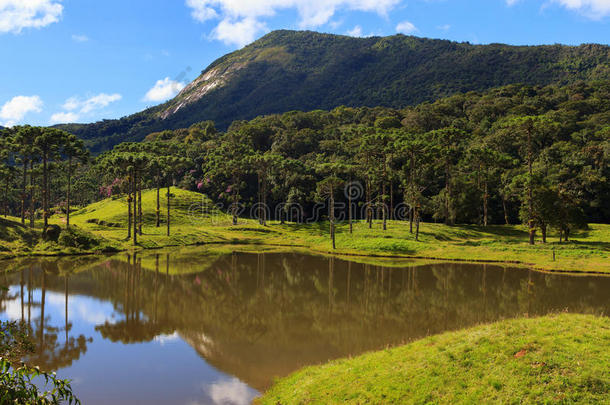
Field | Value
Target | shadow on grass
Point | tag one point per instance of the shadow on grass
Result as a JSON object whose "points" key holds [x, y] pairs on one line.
{"points": [[321, 227], [593, 245], [11, 231]]}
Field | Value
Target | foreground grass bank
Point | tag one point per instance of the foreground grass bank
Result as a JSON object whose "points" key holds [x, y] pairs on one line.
{"points": [[554, 359], [103, 227]]}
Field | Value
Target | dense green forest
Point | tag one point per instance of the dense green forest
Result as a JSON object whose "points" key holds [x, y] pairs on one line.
{"points": [[302, 70], [531, 154]]}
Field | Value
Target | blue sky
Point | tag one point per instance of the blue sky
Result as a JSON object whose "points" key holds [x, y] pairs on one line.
{"points": [[86, 60]]}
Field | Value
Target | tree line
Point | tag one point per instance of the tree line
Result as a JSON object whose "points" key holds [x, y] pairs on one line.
{"points": [[517, 154], [536, 155], [32, 161]]}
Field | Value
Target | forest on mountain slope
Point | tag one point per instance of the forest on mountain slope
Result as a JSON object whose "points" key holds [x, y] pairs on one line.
{"points": [[303, 70], [517, 154]]}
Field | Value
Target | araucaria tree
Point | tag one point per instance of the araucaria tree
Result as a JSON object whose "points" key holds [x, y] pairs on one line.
{"points": [[331, 169], [74, 150], [531, 134]]}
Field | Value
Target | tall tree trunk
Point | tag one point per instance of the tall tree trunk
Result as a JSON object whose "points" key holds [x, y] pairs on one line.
{"points": [[369, 207], [158, 202], [140, 204], [135, 208], [68, 193], [412, 190], [264, 202], [416, 214], [411, 215], [23, 191], [129, 200], [543, 231], [392, 200], [505, 210], [530, 202], [6, 196], [234, 207], [350, 208], [258, 197], [45, 191], [32, 199], [449, 220], [332, 216], [485, 201], [168, 206], [384, 208]]}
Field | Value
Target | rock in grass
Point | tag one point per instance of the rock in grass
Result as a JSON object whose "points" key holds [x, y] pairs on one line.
{"points": [[51, 234]]}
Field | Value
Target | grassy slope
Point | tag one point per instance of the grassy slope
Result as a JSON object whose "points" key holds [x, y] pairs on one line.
{"points": [[14, 236], [588, 251], [557, 359]]}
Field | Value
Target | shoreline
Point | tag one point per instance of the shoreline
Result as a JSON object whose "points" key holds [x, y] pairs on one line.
{"points": [[308, 249]]}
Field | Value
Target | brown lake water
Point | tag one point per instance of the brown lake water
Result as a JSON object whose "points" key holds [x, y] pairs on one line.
{"points": [[193, 327]]}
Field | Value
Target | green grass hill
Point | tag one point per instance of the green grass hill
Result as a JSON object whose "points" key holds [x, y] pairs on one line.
{"points": [[554, 359]]}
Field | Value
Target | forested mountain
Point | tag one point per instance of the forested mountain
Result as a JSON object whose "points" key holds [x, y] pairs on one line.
{"points": [[302, 70]]}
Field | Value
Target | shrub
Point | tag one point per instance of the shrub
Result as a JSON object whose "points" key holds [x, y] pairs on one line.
{"points": [[16, 386], [77, 238]]}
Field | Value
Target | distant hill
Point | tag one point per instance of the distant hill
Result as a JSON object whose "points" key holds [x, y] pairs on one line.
{"points": [[303, 70]]}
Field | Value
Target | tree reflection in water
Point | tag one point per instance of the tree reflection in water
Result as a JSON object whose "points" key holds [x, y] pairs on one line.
{"points": [[258, 316], [51, 351]]}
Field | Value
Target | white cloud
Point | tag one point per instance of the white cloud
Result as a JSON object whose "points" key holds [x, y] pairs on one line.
{"points": [[406, 27], [238, 33], [445, 27], [80, 38], [15, 15], [165, 339], [201, 11], [241, 21], [71, 104], [18, 107], [231, 391], [98, 102], [594, 9], [336, 23], [11, 309], [75, 107], [92, 103], [164, 89], [355, 32], [64, 117]]}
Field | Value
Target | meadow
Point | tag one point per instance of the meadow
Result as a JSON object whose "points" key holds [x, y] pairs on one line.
{"points": [[102, 227]]}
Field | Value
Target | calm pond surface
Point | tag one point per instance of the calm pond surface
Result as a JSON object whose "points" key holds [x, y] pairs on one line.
{"points": [[192, 327]]}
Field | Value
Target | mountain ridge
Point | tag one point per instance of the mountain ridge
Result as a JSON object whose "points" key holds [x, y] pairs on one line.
{"points": [[304, 70]]}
